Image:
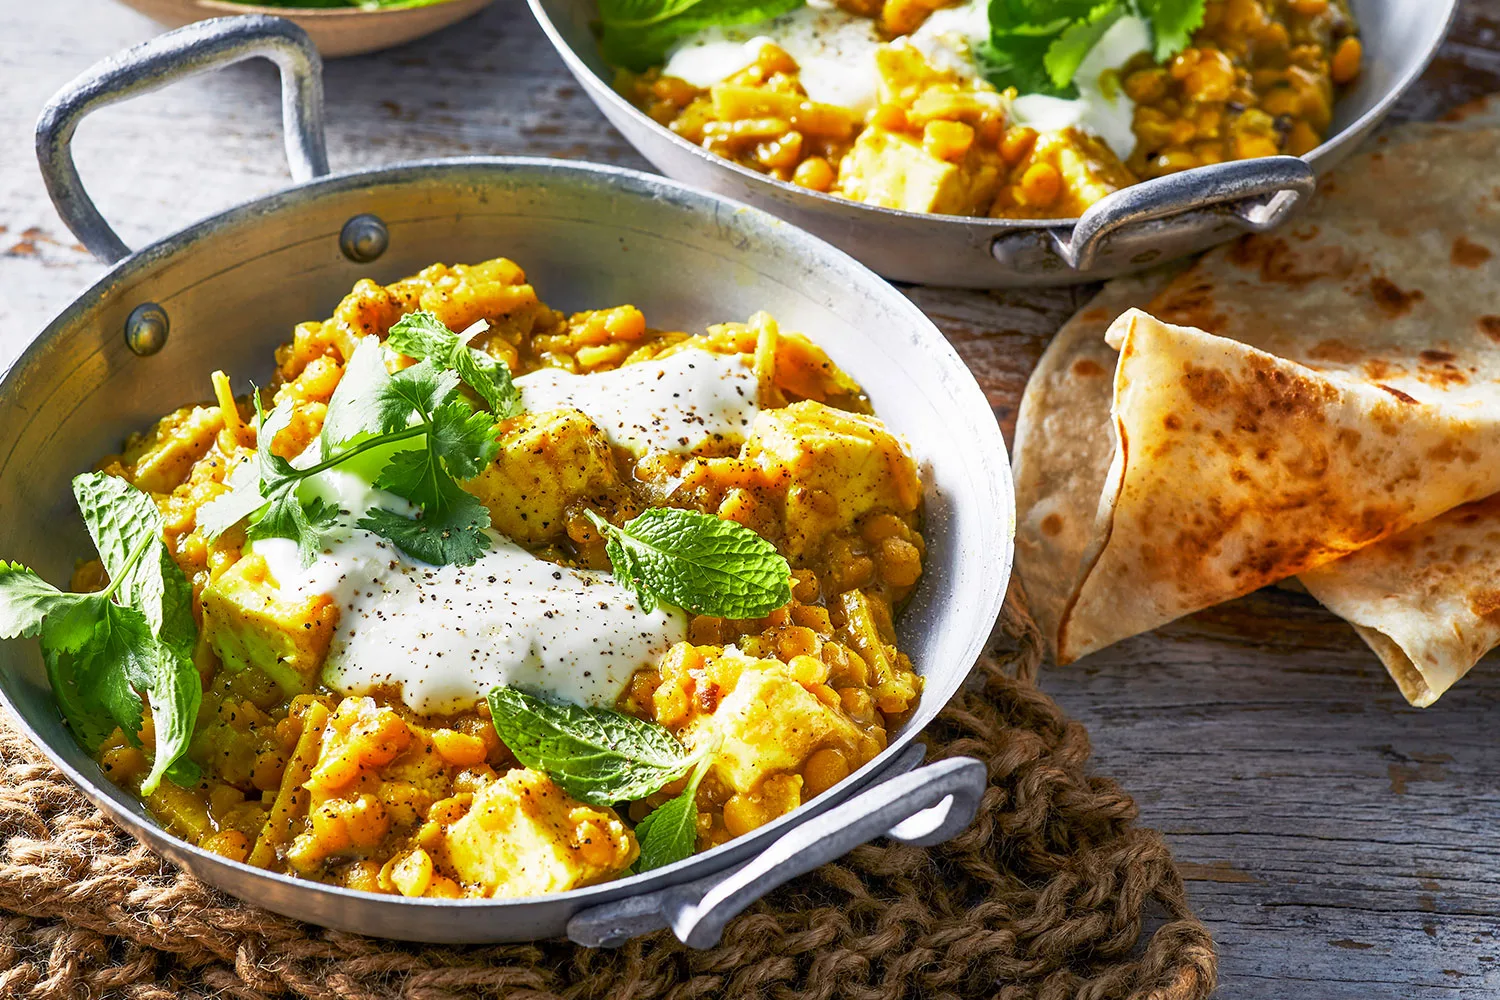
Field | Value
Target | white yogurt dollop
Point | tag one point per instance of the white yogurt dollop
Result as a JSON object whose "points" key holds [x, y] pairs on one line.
{"points": [[834, 49], [671, 404], [442, 636]]}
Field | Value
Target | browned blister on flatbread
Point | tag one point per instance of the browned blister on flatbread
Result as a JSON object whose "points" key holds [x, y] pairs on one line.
{"points": [[1427, 600]]}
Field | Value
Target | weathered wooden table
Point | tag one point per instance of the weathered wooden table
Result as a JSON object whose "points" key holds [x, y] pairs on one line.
{"points": [[1339, 844]]}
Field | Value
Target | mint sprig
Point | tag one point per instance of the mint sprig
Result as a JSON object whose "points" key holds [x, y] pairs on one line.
{"points": [[106, 651], [703, 564], [427, 435], [597, 755]]}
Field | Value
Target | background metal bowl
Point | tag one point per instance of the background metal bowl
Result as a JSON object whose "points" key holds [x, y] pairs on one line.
{"points": [[1142, 225], [230, 288]]}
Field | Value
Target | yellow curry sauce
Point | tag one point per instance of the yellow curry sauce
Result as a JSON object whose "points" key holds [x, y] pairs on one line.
{"points": [[1258, 79], [360, 791]]}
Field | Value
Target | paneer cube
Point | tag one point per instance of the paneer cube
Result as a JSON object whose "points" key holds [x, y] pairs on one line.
{"points": [[839, 466], [770, 724], [524, 836], [160, 459], [548, 461], [894, 171], [248, 624]]}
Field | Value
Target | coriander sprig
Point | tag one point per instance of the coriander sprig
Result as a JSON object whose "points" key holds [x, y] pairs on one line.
{"points": [[433, 437], [1037, 46], [700, 563], [106, 651]]}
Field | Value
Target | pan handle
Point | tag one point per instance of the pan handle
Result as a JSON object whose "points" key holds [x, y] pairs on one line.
{"points": [[926, 806], [1263, 191], [162, 60]]}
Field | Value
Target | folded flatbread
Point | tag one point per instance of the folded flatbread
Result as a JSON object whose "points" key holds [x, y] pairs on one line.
{"points": [[1308, 395]]}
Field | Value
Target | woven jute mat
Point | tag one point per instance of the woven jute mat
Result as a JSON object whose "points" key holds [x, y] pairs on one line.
{"points": [[1053, 893]]}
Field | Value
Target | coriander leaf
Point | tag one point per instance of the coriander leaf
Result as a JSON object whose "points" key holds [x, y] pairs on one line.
{"points": [[464, 439], [354, 408], [1173, 23], [418, 390], [636, 34], [275, 471], [306, 524], [423, 335], [28, 603], [1068, 49], [1022, 32], [228, 509], [598, 756], [450, 532], [698, 562]]}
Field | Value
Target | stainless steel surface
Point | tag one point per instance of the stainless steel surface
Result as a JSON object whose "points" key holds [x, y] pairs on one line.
{"points": [[924, 806], [1129, 230], [235, 284], [163, 60]]}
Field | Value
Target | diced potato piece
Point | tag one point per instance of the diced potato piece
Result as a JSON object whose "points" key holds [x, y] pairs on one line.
{"points": [[159, 460], [524, 836], [248, 624], [839, 467], [1089, 169], [770, 724], [547, 462], [903, 74], [894, 171]]}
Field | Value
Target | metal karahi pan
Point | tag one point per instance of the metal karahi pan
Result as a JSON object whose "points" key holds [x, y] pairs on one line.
{"points": [[221, 293], [1134, 228]]}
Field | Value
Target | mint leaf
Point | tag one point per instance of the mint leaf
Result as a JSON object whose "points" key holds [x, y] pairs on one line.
{"points": [[636, 34], [1068, 49], [354, 409], [1172, 24], [598, 756], [127, 529], [28, 603], [422, 335], [669, 832], [103, 657], [698, 562]]}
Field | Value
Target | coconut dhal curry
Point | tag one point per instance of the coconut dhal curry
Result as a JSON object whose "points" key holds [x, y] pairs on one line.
{"points": [[493, 600], [1020, 109]]}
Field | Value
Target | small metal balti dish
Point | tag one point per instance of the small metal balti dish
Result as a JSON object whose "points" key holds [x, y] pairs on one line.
{"points": [[214, 294], [1138, 226]]}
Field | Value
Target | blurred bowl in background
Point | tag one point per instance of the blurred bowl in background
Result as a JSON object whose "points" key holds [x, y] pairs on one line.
{"points": [[336, 31]]}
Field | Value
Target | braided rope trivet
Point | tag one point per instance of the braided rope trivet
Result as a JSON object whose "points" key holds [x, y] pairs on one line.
{"points": [[1044, 897]]}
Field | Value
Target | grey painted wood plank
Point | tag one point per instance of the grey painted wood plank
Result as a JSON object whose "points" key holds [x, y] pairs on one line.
{"points": [[1340, 844]]}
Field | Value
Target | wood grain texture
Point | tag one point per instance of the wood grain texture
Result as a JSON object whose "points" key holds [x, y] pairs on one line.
{"points": [[1341, 845]]}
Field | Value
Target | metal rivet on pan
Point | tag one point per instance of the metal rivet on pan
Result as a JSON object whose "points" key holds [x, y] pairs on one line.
{"points": [[146, 329], [364, 238]]}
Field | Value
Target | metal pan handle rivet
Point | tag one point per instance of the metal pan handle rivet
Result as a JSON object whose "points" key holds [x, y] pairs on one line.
{"points": [[364, 238], [146, 329]]}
